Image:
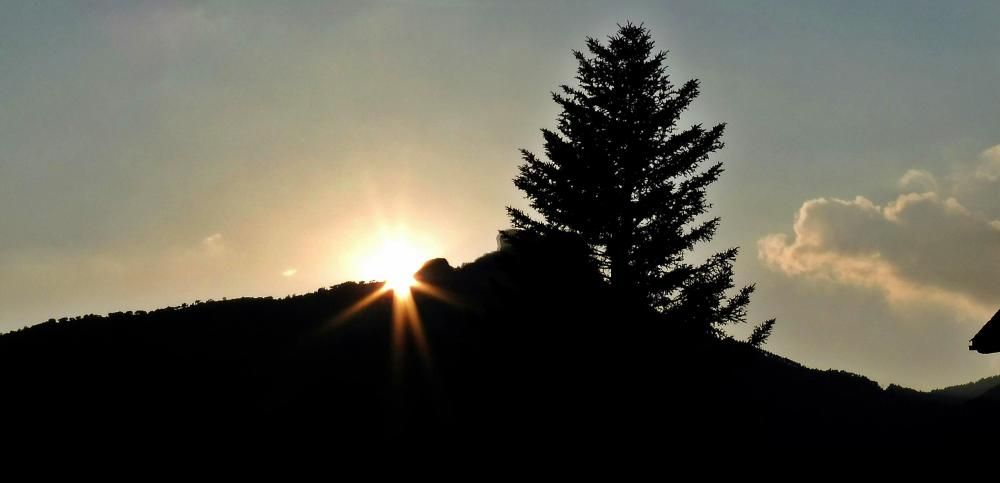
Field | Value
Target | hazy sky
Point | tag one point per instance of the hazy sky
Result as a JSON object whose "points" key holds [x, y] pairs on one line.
{"points": [[158, 152]]}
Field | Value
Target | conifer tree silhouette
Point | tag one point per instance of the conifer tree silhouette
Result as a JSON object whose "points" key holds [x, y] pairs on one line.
{"points": [[620, 174]]}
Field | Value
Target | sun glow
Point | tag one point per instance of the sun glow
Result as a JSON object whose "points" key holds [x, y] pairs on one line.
{"points": [[395, 261], [394, 257]]}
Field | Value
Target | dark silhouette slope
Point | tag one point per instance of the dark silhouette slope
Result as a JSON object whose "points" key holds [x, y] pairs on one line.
{"points": [[530, 351], [968, 391]]}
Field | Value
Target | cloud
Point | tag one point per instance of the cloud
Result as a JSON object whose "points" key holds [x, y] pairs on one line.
{"points": [[213, 243], [289, 273], [977, 184], [917, 180], [924, 247], [989, 170]]}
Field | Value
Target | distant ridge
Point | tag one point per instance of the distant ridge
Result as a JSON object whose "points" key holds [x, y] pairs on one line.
{"points": [[971, 390]]}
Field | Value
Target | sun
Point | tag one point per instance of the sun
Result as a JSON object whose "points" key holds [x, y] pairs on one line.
{"points": [[394, 257], [395, 260]]}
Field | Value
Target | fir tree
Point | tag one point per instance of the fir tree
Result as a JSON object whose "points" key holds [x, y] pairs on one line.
{"points": [[620, 174]]}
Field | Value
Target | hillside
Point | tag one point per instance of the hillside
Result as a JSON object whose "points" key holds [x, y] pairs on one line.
{"points": [[968, 391], [528, 348]]}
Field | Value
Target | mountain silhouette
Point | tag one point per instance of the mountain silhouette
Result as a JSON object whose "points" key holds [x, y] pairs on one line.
{"points": [[525, 346], [969, 391]]}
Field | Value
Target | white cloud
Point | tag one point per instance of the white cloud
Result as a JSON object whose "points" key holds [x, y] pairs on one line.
{"points": [[213, 243], [977, 184], [989, 169], [289, 272], [924, 247], [917, 180]]}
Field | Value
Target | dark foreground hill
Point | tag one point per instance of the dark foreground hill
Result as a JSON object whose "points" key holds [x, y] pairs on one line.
{"points": [[529, 351]]}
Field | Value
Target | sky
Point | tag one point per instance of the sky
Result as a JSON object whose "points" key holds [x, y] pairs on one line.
{"points": [[159, 152]]}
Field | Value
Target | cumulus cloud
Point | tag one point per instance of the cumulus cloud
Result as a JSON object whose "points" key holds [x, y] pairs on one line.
{"points": [[977, 184], [925, 246], [917, 180], [989, 170]]}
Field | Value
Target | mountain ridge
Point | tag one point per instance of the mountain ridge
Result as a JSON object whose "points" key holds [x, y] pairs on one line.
{"points": [[524, 342]]}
